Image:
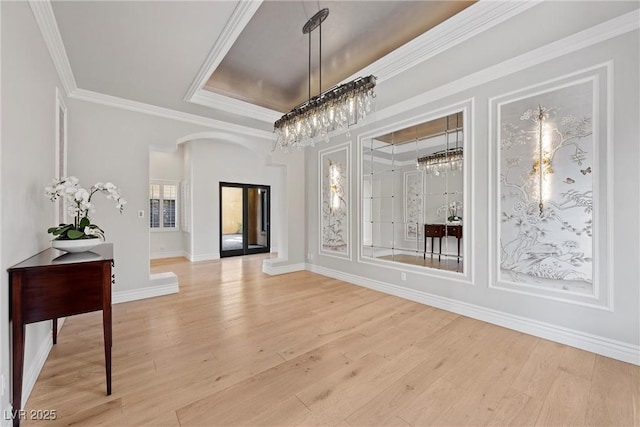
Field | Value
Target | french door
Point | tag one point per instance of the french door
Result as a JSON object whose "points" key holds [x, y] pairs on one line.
{"points": [[244, 219]]}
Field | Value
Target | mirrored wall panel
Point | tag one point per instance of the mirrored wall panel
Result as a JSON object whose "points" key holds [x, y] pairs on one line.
{"points": [[412, 194]]}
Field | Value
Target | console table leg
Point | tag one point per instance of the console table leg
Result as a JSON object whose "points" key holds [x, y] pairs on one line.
{"points": [[18, 361], [54, 330], [106, 323]]}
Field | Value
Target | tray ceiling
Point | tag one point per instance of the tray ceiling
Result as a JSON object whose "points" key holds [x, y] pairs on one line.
{"points": [[268, 65]]}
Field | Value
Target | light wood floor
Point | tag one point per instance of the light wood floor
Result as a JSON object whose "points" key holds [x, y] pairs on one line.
{"points": [[237, 347]]}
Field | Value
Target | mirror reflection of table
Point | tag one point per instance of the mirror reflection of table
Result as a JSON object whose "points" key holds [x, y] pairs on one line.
{"points": [[439, 231]]}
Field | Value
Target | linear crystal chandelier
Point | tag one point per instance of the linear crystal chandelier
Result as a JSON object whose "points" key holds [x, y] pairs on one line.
{"points": [[442, 161], [337, 108], [450, 159]]}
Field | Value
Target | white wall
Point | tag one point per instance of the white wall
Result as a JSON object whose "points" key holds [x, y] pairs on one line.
{"points": [[110, 144], [28, 93], [212, 162], [166, 166], [614, 333]]}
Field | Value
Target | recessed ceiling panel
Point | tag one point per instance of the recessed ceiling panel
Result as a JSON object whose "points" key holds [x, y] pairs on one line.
{"points": [[268, 65]]}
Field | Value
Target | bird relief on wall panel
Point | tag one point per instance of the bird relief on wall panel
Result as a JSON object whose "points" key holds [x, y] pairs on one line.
{"points": [[546, 160]]}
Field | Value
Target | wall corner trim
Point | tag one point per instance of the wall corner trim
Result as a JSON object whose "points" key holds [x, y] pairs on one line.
{"points": [[275, 270], [625, 352], [169, 254], [167, 284], [46, 20]]}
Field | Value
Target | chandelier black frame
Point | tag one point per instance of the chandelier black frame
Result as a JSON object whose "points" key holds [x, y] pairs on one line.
{"points": [[338, 107]]}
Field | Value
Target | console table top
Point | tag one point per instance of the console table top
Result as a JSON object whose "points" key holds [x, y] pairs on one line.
{"points": [[50, 256]]}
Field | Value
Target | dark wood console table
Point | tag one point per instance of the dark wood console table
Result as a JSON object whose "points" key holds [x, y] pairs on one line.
{"points": [[53, 284], [440, 231]]}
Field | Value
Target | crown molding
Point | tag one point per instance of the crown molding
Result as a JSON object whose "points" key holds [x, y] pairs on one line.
{"points": [[213, 100], [475, 19], [240, 17], [46, 20], [140, 107], [596, 34]]}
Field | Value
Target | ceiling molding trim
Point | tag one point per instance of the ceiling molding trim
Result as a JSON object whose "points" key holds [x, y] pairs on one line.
{"points": [[46, 20], [140, 107], [213, 100], [240, 17], [475, 19], [596, 34]]}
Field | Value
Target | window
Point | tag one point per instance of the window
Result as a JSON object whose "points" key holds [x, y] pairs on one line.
{"points": [[163, 210]]}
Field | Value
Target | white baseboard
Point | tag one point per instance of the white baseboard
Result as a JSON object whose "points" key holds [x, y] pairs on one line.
{"points": [[31, 372], [273, 269], [169, 254], [204, 257], [596, 344], [164, 284]]}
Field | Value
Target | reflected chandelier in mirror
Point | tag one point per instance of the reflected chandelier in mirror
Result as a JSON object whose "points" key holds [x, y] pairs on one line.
{"points": [[412, 194]]}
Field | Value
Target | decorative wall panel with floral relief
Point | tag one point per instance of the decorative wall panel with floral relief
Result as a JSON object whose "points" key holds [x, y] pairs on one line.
{"points": [[546, 168], [413, 200], [334, 201]]}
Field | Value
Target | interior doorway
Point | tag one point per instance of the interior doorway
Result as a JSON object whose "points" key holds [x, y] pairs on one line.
{"points": [[244, 219]]}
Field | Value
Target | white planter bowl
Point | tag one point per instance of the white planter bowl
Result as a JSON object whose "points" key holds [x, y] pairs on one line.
{"points": [[74, 246]]}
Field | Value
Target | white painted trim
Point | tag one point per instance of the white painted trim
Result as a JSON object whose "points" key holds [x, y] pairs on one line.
{"points": [[60, 110], [596, 34], [612, 28], [32, 372], [146, 292], [213, 100], [595, 299], [168, 254], [470, 22], [60, 105], [600, 345], [43, 13], [140, 107], [240, 17], [204, 257], [274, 270], [321, 153]]}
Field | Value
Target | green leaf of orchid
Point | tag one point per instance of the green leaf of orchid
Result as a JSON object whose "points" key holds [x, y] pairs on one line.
{"points": [[84, 222], [74, 234]]}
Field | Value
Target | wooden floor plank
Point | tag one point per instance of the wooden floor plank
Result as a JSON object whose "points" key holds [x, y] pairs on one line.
{"points": [[612, 394], [566, 403], [239, 347]]}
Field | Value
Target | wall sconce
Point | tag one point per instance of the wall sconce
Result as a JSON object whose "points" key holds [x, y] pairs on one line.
{"points": [[334, 185], [542, 162]]}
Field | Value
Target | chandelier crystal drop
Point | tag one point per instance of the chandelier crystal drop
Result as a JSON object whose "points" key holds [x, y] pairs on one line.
{"points": [[338, 108], [442, 161], [449, 159]]}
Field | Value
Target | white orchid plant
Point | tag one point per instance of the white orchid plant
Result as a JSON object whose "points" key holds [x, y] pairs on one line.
{"points": [[79, 207], [451, 211]]}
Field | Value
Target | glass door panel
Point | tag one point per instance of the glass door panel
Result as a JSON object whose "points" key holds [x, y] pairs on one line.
{"points": [[232, 208], [244, 219]]}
